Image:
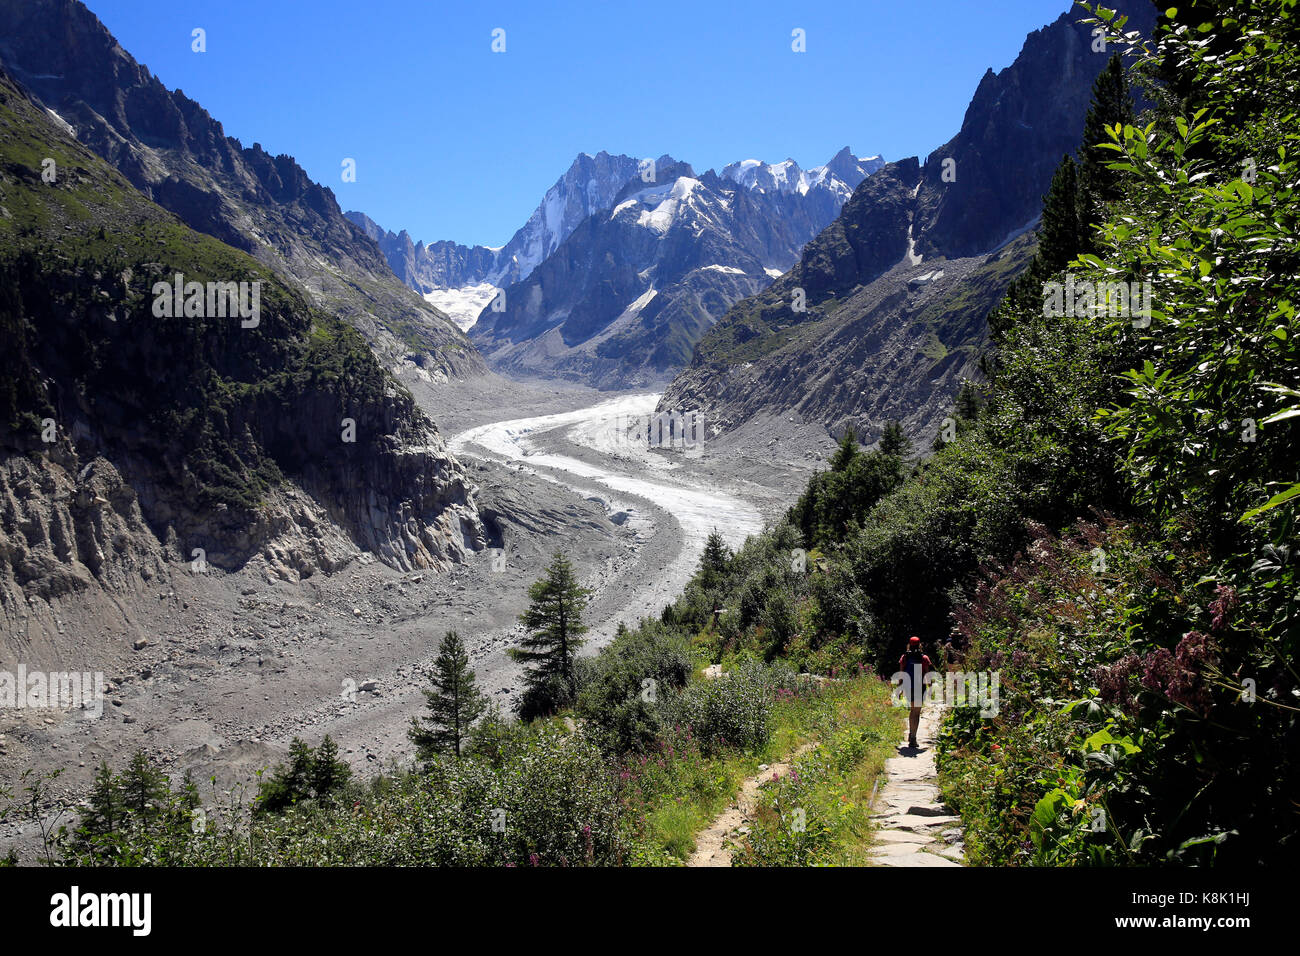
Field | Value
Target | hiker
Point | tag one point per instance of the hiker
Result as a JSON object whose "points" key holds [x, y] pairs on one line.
{"points": [[915, 665]]}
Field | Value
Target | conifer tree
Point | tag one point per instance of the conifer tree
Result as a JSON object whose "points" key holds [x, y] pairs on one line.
{"points": [[308, 774], [145, 789], [1098, 185], [328, 773], [554, 624], [453, 703], [104, 813], [968, 403], [894, 441], [846, 452], [713, 562], [1059, 236]]}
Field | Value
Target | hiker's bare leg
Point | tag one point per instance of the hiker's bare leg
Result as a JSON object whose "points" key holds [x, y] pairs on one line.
{"points": [[913, 721]]}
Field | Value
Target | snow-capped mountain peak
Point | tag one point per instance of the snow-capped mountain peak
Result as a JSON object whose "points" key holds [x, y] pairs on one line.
{"points": [[726, 211], [841, 175], [658, 207]]}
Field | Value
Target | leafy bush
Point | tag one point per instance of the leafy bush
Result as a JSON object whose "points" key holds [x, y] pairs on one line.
{"points": [[732, 710], [1119, 738], [619, 689]]}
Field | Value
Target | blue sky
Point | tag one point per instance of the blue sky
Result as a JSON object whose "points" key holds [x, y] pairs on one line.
{"points": [[453, 141]]}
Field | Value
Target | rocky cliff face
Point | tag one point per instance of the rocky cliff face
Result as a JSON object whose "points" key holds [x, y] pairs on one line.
{"points": [[623, 300], [179, 156], [1019, 124], [131, 442], [897, 291]]}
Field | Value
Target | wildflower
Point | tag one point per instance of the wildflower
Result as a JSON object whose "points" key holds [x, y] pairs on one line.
{"points": [[1224, 603], [1113, 683], [1157, 669]]}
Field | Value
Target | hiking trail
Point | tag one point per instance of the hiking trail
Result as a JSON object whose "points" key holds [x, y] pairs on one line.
{"points": [[711, 842], [916, 828]]}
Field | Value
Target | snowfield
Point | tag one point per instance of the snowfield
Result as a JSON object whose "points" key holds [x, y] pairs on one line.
{"points": [[462, 305]]}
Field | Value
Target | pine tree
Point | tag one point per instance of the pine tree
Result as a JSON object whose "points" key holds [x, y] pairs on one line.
{"points": [[1098, 185], [309, 774], [846, 452], [968, 403], [289, 782], [328, 773], [894, 441], [453, 704], [1059, 237], [554, 624], [297, 776], [145, 789], [104, 813], [713, 562]]}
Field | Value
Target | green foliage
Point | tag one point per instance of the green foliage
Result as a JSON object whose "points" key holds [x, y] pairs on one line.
{"points": [[132, 818], [1214, 231], [554, 800], [837, 500], [620, 689], [554, 624], [729, 711], [311, 774], [1119, 739], [1127, 732], [1098, 184], [453, 703]]}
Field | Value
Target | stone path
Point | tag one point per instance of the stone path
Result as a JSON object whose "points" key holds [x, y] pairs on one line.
{"points": [[711, 842], [916, 828]]}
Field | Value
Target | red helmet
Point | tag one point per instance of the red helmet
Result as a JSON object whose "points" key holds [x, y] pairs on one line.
{"points": [[913, 641]]}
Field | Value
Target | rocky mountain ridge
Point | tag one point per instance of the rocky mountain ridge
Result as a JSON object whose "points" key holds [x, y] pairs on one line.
{"points": [[885, 313], [178, 155], [623, 300], [134, 445]]}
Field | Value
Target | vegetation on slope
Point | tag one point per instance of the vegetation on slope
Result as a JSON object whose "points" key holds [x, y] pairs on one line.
{"points": [[213, 410]]}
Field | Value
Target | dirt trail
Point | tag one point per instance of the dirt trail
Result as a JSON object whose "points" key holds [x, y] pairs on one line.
{"points": [[916, 828], [711, 842]]}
